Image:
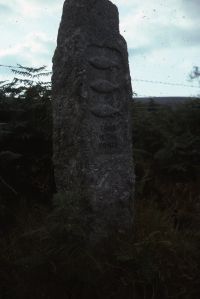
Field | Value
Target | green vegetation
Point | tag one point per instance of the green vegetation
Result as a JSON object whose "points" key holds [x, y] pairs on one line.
{"points": [[39, 256]]}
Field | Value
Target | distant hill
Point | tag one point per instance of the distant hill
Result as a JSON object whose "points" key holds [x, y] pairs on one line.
{"points": [[169, 101]]}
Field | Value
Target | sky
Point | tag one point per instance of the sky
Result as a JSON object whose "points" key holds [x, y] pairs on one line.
{"points": [[162, 36]]}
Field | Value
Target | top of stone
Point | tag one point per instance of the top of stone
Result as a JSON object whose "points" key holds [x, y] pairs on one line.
{"points": [[93, 15]]}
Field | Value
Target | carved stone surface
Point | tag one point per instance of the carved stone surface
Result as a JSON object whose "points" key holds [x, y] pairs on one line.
{"points": [[92, 129]]}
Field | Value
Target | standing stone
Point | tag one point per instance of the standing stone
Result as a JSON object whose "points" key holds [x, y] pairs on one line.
{"points": [[92, 128]]}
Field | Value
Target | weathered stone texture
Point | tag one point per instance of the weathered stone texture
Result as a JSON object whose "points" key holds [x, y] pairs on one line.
{"points": [[92, 130]]}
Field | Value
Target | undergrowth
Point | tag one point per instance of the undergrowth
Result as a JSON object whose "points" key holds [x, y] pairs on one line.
{"points": [[41, 257]]}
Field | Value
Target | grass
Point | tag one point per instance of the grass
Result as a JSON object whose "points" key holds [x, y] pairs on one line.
{"points": [[40, 257]]}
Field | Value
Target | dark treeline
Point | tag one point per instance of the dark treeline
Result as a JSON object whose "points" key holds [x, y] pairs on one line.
{"points": [[39, 258]]}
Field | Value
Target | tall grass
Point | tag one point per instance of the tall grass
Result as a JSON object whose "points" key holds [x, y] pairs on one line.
{"points": [[41, 257]]}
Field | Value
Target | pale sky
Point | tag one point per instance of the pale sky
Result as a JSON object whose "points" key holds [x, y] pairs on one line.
{"points": [[162, 35]]}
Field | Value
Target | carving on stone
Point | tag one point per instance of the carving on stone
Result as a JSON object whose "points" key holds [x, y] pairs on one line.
{"points": [[104, 70], [103, 63], [104, 86]]}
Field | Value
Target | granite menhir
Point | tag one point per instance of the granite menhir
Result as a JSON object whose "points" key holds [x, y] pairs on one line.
{"points": [[92, 128]]}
